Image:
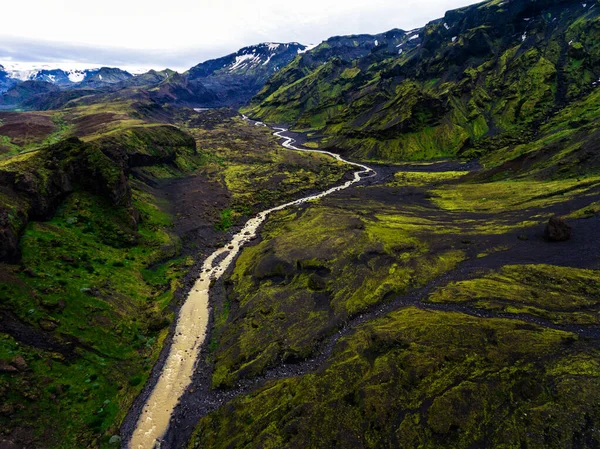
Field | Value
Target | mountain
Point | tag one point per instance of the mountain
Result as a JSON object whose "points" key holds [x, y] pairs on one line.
{"points": [[6, 82], [27, 93], [231, 80], [486, 71], [261, 59], [150, 78], [46, 72], [104, 77], [228, 81], [57, 76]]}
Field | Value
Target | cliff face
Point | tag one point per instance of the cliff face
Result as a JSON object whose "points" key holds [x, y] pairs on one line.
{"points": [[34, 184]]}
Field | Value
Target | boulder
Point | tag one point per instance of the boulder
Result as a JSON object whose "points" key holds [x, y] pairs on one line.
{"points": [[6, 367], [47, 325], [557, 230], [19, 362], [272, 266]]}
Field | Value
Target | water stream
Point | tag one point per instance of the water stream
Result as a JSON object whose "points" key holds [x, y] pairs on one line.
{"points": [[192, 321]]}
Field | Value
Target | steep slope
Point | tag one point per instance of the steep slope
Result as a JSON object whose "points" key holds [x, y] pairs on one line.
{"points": [[489, 70], [230, 80]]}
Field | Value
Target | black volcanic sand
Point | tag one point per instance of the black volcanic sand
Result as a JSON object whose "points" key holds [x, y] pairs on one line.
{"points": [[523, 246]]}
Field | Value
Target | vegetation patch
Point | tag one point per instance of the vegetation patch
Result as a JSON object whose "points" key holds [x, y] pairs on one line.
{"points": [[427, 379]]}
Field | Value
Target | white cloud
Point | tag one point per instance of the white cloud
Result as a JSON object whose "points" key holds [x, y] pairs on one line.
{"points": [[207, 28]]}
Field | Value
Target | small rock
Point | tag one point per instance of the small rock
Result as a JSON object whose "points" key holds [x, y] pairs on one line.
{"points": [[6, 444], [6, 367], [47, 325], [7, 409], [557, 230], [19, 362], [115, 439], [29, 272]]}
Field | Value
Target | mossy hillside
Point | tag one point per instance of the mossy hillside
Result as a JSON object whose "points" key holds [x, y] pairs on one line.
{"points": [[511, 195], [94, 280], [98, 286], [427, 379], [151, 145], [256, 171], [35, 183], [287, 295], [441, 97], [29, 131], [562, 295], [565, 147]]}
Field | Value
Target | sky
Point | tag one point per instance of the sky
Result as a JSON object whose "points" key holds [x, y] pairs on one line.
{"points": [[181, 33]]}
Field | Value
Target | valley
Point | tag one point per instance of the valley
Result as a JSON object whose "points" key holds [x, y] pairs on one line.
{"points": [[378, 241]]}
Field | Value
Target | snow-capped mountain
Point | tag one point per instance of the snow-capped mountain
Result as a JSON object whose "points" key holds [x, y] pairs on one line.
{"points": [[264, 58], [61, 74], [233, 79]]}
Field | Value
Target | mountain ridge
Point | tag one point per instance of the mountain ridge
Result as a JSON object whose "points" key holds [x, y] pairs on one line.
{"points": [[451, 88]]}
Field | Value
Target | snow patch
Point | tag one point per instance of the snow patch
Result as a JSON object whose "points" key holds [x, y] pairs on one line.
{"points": [[454, 38], [400, 51], [241, 60], [524, 36], [416, 36], [100, 76], [273, 46], [75, 76], [307, 49], [376, 42], [446, 26]]}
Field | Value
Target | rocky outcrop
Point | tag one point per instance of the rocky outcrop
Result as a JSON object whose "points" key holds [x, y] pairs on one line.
{"points": [[32, 188], [557, 230]]}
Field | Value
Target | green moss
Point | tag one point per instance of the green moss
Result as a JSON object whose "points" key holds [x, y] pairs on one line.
{"points": [[559, 294], [510, 195], [289, 294], [427, 379], [89, 279]]}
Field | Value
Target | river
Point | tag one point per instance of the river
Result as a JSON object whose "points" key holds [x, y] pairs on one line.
{"points": [[192, 321]]}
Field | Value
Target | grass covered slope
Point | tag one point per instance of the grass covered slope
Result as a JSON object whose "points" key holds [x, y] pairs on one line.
{"points": [[490, 72], [417, 378], [86, 310], [83, 304], [561, 295]]}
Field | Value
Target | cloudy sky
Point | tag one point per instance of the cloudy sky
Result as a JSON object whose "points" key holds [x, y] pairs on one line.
{"points": [[180, 33]]}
